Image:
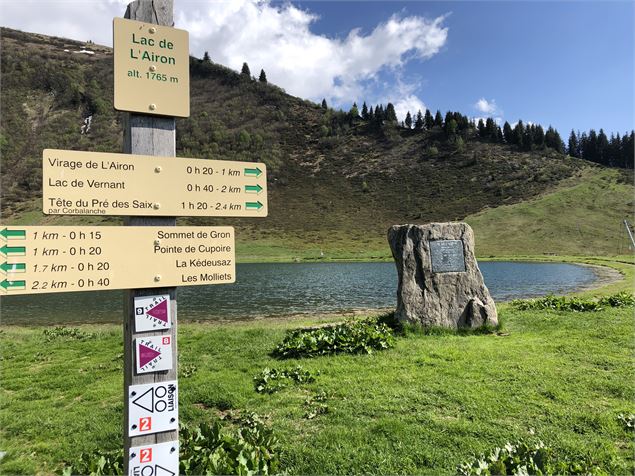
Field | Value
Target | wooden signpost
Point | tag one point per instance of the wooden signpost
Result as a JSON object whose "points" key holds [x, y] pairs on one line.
{"points": [[50, 259], [96, 183], [150, 256]]}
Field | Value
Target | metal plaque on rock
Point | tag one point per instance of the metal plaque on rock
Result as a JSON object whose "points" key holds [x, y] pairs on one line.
{"points": [[447, 256], [161, 459], [153, 408]]}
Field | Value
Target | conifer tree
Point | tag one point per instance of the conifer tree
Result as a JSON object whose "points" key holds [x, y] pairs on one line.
{"points": [[508, 133], [354, 112], [438, 119], [419, 121], [428, 120], [371, 114], [263, 77], [408, 121], [391, 115], [364, 111], [324, 106], [538, 137], [481, 128], [245, 71], [572, 146], [206, 58], [519, 132]]}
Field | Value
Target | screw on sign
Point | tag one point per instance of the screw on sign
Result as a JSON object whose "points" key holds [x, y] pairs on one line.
{"points": [[154, 460]]}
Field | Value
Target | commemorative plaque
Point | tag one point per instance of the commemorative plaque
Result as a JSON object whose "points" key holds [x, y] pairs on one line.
{"points": [[447, 256]]}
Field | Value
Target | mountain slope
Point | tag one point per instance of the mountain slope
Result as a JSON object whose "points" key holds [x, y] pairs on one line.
{"points": [[334, 183]]}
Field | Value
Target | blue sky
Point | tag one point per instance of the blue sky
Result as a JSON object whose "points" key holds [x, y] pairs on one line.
{"points": [[569, 64]]}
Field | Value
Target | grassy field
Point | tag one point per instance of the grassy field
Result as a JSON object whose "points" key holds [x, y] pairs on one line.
{"points": [[582, 217], [424, 406]]}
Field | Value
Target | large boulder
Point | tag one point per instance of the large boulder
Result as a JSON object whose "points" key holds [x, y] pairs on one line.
{"points": [[440, 283]]}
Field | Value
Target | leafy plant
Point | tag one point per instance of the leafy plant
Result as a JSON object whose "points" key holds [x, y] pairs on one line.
{"points": [[187, 370], [575, 304], [353, 337], [627, 421], [316, 405], [97, 464], [248, 448], [529, 458], [211, 449], [61, 332], [272, 380]]}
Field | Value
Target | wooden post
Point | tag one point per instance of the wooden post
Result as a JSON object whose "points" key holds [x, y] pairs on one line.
{"points": [[147, 135]]}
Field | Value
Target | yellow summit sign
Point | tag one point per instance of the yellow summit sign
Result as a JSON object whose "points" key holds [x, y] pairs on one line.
{"points": [[151, 70]]}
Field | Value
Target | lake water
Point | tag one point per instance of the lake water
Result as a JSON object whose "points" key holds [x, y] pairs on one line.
{"points": [[274, 289]]}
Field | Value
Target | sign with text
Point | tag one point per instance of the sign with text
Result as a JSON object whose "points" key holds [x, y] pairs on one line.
{"points": [[96, 183], [151, 68], [153, 354], [49, 259], [153, 408], [152, 313], [161, 459]]}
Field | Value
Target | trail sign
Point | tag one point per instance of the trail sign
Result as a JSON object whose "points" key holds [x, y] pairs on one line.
{"points": [[48, 259], [96, 183], [153, 354], [153, 408], [151, 68], [154, 460], [152, 313]]}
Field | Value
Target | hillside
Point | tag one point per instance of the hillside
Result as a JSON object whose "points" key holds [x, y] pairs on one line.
{"points": [[334, 184]]}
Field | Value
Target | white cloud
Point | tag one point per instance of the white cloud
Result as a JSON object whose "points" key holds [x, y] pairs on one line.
{"points": [[75, 19], [279, 39], [275, 37], [486, 107]]}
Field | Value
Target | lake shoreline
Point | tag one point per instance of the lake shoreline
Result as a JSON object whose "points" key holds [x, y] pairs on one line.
{"points": [[610, 276]]}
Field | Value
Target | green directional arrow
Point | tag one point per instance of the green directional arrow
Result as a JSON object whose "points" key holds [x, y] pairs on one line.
{"points": [[13, 267], [253, 172], [6, 233], [253, 188], [12, 284], [13, 250], [254, 205]]}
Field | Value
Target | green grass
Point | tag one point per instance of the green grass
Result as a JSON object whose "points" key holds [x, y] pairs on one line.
{"points": [[583, 217], [423, 406]]}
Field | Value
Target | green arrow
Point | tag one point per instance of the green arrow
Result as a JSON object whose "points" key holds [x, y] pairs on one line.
{"points": [[13, 267], [6, 233], [7, 250], [253, 188], [253, 172], [257, 205], [13, 284]]}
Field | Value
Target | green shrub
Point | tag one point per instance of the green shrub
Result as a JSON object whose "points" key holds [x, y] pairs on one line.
{"points": [[61, 332], [526, 458], [575, 304], [272, 380], [627, 421], [249, 448], [252, 448], [353, 337], [316, 405]]}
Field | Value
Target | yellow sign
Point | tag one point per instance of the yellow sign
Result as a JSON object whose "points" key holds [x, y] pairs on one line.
{"points": [[51, 259], [152, 68], [95, 183]]}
